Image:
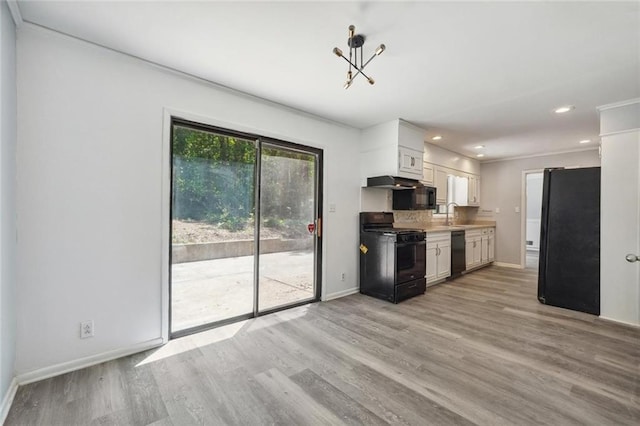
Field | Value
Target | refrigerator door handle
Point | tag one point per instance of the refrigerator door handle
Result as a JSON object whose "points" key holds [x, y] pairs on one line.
{"points": [[632, 258]]}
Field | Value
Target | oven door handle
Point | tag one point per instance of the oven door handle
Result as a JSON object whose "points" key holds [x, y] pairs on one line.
{"points": [[412, 243]]}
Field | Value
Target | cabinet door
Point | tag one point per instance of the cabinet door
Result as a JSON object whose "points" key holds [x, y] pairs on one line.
{"points": [[441, 185], [411, 163], [468, 252], [427, 174], [432, 262], [477, 251], [484, 249], [492, 248], [444, 260], [474, 190]]}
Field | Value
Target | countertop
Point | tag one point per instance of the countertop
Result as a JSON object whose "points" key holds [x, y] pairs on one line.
{"points": [[431, 227]]}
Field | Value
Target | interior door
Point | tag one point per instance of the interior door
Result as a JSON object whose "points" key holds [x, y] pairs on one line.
{"points": [[620, 295], [289, 208]]}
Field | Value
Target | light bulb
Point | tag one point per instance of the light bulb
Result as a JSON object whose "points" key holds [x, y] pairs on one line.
{"points": [[352, 29], [563, 109], [337, 51], [371, 81], [347, 84], [380, 49]]}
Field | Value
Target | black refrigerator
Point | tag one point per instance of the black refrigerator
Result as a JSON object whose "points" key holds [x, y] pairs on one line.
{"points": [[569, 267]]}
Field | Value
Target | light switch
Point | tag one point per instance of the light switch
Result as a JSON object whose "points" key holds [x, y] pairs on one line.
{"points": [[517, 209], [332, 208], [497, 209]]}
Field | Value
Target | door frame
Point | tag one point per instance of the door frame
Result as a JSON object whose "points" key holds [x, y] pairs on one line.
{"points": [[523, 216], [171, 117]]}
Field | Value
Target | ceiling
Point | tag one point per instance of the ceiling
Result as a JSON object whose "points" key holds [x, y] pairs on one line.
{"points": [[477, 73]]}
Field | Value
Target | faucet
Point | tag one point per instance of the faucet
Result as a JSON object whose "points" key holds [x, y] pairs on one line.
{"points": [[447, 212]]}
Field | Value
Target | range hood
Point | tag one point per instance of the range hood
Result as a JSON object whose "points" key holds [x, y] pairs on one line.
{"points": [[393, 182]]}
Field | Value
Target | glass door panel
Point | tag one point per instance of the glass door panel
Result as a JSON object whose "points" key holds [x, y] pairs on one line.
{"points": [[288, 221], [212, 227]]}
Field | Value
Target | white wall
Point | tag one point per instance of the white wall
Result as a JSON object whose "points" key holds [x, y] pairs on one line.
{"points": [[502, 188], [90, 172], [7, 199]]}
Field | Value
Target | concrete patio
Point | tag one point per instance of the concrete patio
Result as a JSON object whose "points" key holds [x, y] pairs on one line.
{"points": [[214, 290]]}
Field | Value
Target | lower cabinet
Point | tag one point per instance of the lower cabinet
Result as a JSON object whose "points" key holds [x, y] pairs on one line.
{"points": [[438, 256], [492, 248], [479, 247]]}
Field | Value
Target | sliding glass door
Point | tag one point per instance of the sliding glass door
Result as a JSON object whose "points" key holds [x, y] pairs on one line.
{"points": [[245, 226], [212, 226], [288, 226]]}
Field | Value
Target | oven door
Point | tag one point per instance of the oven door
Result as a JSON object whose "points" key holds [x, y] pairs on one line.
{"points": [[411, 261]]}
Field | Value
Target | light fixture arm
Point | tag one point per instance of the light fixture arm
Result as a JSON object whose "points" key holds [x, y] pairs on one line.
{"points": [[355, 42]]}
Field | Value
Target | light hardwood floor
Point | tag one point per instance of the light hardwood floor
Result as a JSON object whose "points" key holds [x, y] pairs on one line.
{"points": [[477, 350]]}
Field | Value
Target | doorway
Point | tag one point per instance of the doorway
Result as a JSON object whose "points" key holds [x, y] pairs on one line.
{"points": [[245, 226], [533, 217]]}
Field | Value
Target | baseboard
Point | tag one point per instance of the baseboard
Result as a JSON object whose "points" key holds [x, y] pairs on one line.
{"points": [[8, 400], [66, 367], [340, 294], [508, 265], [630, 324]]}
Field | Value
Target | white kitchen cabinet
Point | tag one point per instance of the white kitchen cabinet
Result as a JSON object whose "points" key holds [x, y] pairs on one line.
{"points": [[473, 191], [484, 249], [468, 252], [394, 148], [473, 248], [488, 248], [438, 256], [441, 185], [479, 246], [410, 162], [444, 259], [492, 248], [427, 174], [432, 262]]}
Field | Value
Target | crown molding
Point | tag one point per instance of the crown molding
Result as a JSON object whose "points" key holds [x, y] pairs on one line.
{"points": [[545, 154], [618, 104], [15, 12]]}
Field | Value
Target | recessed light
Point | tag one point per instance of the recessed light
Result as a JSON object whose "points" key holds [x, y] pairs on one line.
{"points": [[479, 146], [436, 138], [585, 141], [563, 109], [480, 155]]}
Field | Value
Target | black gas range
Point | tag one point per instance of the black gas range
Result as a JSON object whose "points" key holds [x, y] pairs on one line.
{"points": [[392, 261]]}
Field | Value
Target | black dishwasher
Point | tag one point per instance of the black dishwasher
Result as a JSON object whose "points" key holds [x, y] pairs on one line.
{"points": [[458, 261]]}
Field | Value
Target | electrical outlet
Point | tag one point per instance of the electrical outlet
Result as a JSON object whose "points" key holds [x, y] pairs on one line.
{"points": [[86, 329], [343, 276]]}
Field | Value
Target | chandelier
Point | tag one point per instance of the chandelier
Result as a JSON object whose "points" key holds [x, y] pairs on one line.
{"points": [[355, 43]]}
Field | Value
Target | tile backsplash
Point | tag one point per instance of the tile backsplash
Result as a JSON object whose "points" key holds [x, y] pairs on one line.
{"points": [[463, 215]]}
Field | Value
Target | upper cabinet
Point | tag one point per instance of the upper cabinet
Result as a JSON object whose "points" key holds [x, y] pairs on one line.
{"points": [[394, 148], [474, 191], [428, 174], [440, 183]]}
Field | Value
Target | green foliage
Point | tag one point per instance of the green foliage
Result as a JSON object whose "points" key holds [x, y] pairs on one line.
{"points": [[214, 179]]}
